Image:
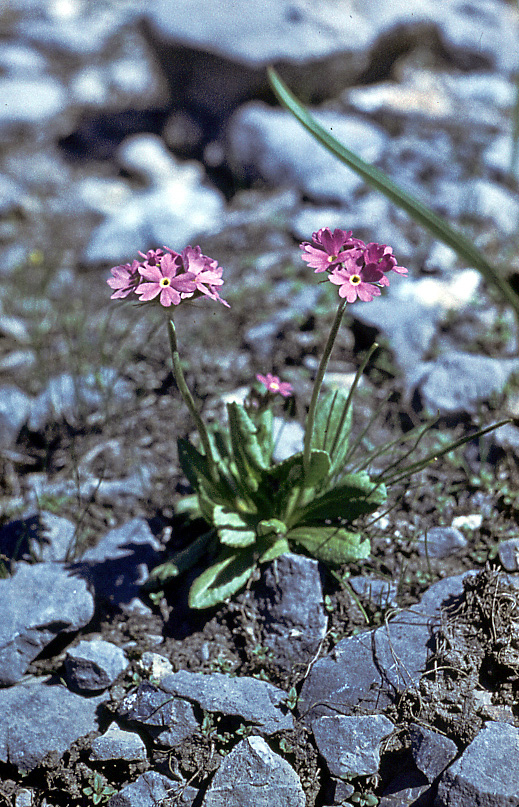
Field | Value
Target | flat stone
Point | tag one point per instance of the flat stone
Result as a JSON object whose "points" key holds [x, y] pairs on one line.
{"points": [[149, 790], [167, 719], [120, 562], [456, 383], [176, 206], [14, 412], [440, 542], [432, 752], [351, 744], [39, 716], [291, 605], [409, 788], [252, 774], [27, 102], [509, 554], [372, 668], [255, 701], [68, 398], [274, 147], [487, 772], [116, 744], [94, 665], [381, 593], [37, 603]]}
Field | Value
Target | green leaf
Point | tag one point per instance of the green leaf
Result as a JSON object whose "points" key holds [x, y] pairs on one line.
{"points": [[290, 472], [179, 563], [232, 529], [223, 579], [354, 496], [418, 211], [332, 427], [333, 545], [246, 449], [271, 526], [280, 547]]}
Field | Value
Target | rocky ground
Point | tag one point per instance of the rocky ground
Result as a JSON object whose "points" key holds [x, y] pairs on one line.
{"points": [[392, 682]]}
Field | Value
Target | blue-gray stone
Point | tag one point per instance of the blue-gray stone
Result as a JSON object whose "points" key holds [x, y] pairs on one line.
{"points": [[487, 772], [257, 702], [252, 774], [39, 716], [94, 665]]}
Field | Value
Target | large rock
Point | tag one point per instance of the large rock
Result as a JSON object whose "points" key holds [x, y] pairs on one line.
{"points": [[255, 701], [456, 383], [350, 744], [269, 144], [487, 772], [371, 669], [38, 717], [173, 209], [290, 601], [252, 774], [120, 562], [37, 603]]}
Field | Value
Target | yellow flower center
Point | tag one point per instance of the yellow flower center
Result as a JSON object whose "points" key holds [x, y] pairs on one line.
{"points": [[332, 258], [165, 281], [355, 280], [274, 386]]}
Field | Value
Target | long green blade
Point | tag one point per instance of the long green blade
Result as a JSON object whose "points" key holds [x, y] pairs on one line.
{"points": [[436, 225]]}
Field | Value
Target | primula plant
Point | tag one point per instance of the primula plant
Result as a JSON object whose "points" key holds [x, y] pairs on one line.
{"points": [[256, 508]]}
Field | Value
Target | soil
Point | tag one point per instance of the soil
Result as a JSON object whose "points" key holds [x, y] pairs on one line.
{"points": [[478, 646]]}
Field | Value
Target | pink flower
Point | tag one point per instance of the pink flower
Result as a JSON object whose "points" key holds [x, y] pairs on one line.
{"points": [[382, 256], [163, 279], [355, 282], [326, 249], [125, 279], [206, 272], [153, 256], [274, 385]]}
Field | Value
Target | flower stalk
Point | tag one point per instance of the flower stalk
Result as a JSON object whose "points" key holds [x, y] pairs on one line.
{"points": [[188, 398], [309, 428]]}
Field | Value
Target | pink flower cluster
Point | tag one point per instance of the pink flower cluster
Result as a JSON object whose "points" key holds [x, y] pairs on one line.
{"points": [[170, 276], [359, 269]]}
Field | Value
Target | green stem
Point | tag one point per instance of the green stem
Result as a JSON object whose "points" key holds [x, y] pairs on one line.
{"points": [[188, 398], [318, 384]]}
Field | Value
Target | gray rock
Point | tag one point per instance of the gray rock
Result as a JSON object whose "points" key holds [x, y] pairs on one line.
{"points": [[291, 606], [509, 554], [40, 536], [149, 790], [409, 326], [68, 397], [507, 437], [440, 542], [351, 744], [19, 59], [38, 717], [94, 665], [431, 751], [457, 382], [372, 668], [154, 665], [120, 563], [289, 438], [255, 701], [381, 593], [252, 774], [116, 744], [486, 773], [30, 105], [168, 720], [409, 788], [487, 201], [272, 146], [175, 207], [14, 412], [37, 604]]}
